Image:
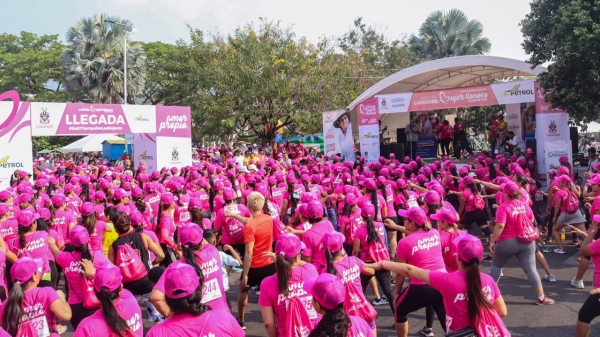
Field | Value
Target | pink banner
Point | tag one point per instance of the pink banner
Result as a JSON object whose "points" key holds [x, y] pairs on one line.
{"points": [[541, 106], [368, 112], [453, 98], [173, 121], [80, 119]]}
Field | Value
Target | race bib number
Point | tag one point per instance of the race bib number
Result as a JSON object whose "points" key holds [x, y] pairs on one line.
{"points": [[308, 305], [412, 202], [210, 291], [40, 324]]}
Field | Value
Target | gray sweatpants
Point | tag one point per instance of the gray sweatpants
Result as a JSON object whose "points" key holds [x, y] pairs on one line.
{"points": [[525, 254]]}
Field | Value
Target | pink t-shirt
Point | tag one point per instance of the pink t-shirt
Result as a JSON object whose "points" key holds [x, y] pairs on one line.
{"points": [[374, 251], [389, 199], [62, 220], [350, 223], [233, 230], [277, 196], [37, 303], [211, 323], [453, 287], [449, 250], [96, 237], [349, 270], [72, 269], [366, 199], [270, 296], [469, 199], [563, 195], [509, 213], [154, 201], [204, 200], [595, 206], [359, 328], [36, 247], [73, 205], [595, 249], [127, 307], [8, 230], [167, 228], [312, 239], [422, 249]]}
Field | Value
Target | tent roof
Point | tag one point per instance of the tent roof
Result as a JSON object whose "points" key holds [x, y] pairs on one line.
{"points": [[450, 72], [92, 143], [592, 127]]}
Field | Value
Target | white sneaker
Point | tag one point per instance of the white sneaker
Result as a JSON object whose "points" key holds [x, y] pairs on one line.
{"points": [[577, 284], [551, 278], [559, 251]]}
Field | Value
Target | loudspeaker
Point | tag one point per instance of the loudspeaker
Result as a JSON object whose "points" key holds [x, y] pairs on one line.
{"points": [[401, 136], [574, 135]]}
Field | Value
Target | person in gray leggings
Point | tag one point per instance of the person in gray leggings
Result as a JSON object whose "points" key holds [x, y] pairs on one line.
{"points": [[512, 216]]}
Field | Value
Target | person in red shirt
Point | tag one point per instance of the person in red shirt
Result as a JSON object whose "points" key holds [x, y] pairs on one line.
{"points": [[494, 124], [436, 131], [445, 136]]}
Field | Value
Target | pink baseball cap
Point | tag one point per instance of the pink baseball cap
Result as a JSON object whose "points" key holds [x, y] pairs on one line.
{"points": [[563, 159], [302, 210], [194, 203], [25, 197], [445, 215], [596, 218], [69, 188], [468, 180], [99, 195], [181, 280], [87, 209], [107, 275], [137, 192], [289, 245], [562, 170], [368, 184], [136, 218], [26, 218], [190, 234], [167, 198], [228, 194], [432, 197], [510, 188], [120, 194], [79, 236], [350, 199], [314, 210], [468, 248], [367, 210], [333, 241], [4, 208], [5, 195], [327, 289], [414, 214], [529, 151], [565, 179], [24, 268], [595, 180]]}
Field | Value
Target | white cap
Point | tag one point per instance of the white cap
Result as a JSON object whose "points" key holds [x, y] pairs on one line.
{"points": [[252, 167], [41, 158]]}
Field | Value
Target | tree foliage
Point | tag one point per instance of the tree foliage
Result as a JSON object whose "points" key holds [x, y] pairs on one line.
{"points": [[92, 63], [447, 34], [159, 58], [567, 35]]}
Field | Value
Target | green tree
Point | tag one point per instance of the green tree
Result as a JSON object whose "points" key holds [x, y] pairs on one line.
{"points": [[159, 58], [447, 34], [30, 65], [566, 34], [93, 61]]}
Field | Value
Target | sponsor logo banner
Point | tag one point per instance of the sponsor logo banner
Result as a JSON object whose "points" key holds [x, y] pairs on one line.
{"points": [[15, 137], [514, 119], [514, 92], [173, 151], [144, 149], [80, 118], [394, 103], [554, 150], [453, 98], [173, 121], [368, 128], [330, 133]]}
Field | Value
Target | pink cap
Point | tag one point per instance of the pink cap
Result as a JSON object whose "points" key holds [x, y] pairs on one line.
{"points": [[109, 276], [432, 197], [414, 214], [327, 289], [190, 234], [468, 180], [79, 236], [367, 210], [69, 188], [302, 210], [26, 218], [181, 280], [333, 241], [99, 195], [468, 248], [596, 218], [4, 195], [4, 208], [565, 179], [529, 151], [137, 192], [194, 203], [368, 184], [562, 170], [24, 268], [563, 159], [167, 198], [136, 218], [314, 210], [595, 180], [25, 197], [87, 209], [350, 199], [510, 188], [445, 215], [289, 245], [228, 194], [120, 194]]}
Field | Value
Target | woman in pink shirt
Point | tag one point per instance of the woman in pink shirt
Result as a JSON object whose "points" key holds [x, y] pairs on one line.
{"points": [[329, 296], [228, 222], [314, 252], [278, 289], [62, 219], [448, 229], [165, 229], [421, 248], [120, 314], [472, 207], [44, 304], [94, 227], [566, 200], [369, 189], [32, 242], [470, 296], [349, 221], [189, 316], [514, 218], [591, 307]]}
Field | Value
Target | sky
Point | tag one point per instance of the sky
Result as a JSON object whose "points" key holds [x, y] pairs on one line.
{"points": [[167, 20]]}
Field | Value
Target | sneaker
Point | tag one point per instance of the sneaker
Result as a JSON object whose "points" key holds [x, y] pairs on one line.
{"points": [[380, 301], [487, 258], [546, 301], [237, 269], [62, 329], [550, 278], [257, 291], [546, 249], [427, 333], [577, 284], [559, 251], [242, 325]]}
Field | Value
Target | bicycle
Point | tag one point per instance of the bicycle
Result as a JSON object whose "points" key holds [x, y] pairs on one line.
{"points": [[476, 142]]}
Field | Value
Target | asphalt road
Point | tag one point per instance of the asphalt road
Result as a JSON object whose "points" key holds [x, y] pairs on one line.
{"points": [[524, 317]]}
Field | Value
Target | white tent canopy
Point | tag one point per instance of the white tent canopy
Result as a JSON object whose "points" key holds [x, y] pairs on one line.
{"points": [[592, 127], [92, 143], [450, 72]]}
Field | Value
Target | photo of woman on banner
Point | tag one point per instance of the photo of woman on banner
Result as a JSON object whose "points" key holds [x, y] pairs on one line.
{"points": [[342, 132], [425, 124], [528, 113]]}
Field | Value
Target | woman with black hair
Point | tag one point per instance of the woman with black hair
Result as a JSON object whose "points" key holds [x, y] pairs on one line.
{"points": [[472, 207], [32, 243], [165, 228], [189, 316], [369, 189], [349, 221], [329, 296], [30, 304], [120, 314], [472, 297]]}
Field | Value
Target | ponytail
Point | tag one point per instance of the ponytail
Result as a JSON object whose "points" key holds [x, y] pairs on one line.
{"points": [[197, 217], [13, 311], [372, 235], [115, 322], [329, 255], [89, 222], [374, 201], [21, 230], [140, 205], [476, 298], [85, 252], [335, 323], [158, 217], [190, 258], [284, 272]]}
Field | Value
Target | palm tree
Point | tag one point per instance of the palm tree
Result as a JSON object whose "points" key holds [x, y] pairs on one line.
{"points": [[92, 62], [446, 34]]}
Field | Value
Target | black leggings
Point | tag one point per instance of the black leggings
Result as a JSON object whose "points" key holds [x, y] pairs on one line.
{"points": [[590, 309], [170, 256], [445, 145], [53, 274], [416, 297], [384, 278], [79, 313]]}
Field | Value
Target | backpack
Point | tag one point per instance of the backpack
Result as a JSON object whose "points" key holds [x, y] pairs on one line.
{"points": [[525, 231], [357, 305], [26, 329], [35, 327], [88, 295], [297, 319], [130, 263], [572, 203], [478, 201]]}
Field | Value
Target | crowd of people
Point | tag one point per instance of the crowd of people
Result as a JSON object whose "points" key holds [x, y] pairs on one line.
{"points": [[308, 233]]}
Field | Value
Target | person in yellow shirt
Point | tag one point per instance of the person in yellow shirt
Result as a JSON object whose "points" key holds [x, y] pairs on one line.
{"points": [[111, 234]]}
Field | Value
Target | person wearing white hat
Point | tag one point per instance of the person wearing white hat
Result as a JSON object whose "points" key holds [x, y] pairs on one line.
{"points": [[341, 132]]}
